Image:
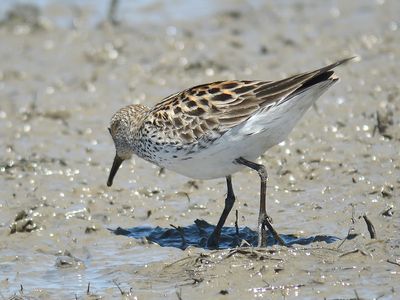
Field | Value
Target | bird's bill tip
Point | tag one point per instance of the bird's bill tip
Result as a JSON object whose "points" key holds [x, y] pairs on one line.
{"points": [[115, 166]]}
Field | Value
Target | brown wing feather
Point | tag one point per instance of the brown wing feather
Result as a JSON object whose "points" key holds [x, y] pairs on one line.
{"points": [[198, 112]]}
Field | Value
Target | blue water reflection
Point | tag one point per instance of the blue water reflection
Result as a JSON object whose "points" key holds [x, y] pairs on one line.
{"points": [[196, 235]]}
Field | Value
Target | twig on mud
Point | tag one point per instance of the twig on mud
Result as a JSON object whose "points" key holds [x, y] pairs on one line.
{"points": [[340, 245], [383, 122], [393, 262], [250, 252], [370, 227], [21, 289], [270, 287], [88, 289], [196, 280], [354, 251], [187, 196], [178, 261], [194, 277], [161, 171], [321, 248], [236, 223], [244, 243], [236, 251], [181, 233], [351, 228], [388, 212], [179, 294], [357, 297], [202, 260], [346, 238], [353, 220], [120, 290]]}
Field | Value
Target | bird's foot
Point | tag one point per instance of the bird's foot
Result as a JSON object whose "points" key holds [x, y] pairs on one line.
{"points": [[213, 241], [264, 223]]}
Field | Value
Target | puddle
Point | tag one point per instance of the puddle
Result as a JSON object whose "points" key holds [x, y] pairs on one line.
{"points": [[196, 235]]}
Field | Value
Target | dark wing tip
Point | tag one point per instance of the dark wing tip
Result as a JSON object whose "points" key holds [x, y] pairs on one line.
{"points": [[345, 60], [338, 63]]}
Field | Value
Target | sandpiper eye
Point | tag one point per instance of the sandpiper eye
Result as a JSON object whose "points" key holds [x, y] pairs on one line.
{"points": [[109, 130]]}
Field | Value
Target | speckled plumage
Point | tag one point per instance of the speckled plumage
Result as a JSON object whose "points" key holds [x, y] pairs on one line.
{"points": [[201, 132]]}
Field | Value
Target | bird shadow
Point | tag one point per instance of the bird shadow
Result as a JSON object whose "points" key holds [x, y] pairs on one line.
{"points": [[196, 235]]}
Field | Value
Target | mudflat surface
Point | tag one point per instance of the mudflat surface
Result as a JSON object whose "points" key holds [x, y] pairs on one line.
{"points": [[64, 71]]}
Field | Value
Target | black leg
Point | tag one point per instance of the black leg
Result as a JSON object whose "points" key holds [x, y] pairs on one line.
{"points": [[213, 240], [263, 219]]}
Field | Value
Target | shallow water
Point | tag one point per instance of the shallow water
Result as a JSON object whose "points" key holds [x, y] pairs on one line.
{"points": [[196, 235], [64, 71]]}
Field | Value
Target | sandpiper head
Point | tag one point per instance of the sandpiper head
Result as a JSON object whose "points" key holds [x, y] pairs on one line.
{"points": [[123, 127]]}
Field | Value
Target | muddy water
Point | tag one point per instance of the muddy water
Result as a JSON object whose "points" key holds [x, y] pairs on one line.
{"points": [[63, 72]]}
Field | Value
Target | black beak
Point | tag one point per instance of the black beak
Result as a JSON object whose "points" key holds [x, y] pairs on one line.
{"points": [[116, 164]]}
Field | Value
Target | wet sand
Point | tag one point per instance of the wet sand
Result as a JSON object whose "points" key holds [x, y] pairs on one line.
{"points": [[63, 73]]}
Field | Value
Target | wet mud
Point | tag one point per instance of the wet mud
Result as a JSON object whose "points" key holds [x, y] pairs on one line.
{"points": [[333, 188]]}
